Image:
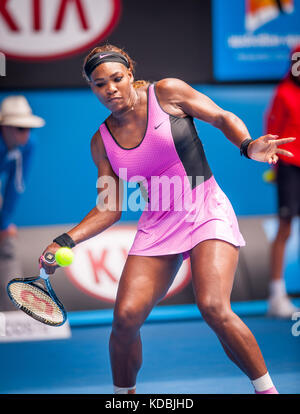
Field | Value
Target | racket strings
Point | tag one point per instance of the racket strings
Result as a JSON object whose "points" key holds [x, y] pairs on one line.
{"points": [[34, 300]]}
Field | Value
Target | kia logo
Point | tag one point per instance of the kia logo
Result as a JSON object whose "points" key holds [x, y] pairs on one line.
{"points": [[99, 262], [43, 29]]}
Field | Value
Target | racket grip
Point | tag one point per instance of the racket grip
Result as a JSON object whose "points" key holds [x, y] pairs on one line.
{"points": [[43, 273], [47, 258]]}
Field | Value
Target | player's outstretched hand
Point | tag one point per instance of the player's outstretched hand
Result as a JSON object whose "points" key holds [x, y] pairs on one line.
{"points": [[265, 148]]}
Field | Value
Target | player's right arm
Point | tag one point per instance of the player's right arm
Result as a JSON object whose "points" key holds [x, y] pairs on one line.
{"points": [[108, 209], [109, 201]]}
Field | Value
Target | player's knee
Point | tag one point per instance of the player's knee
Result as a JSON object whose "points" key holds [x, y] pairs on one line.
{"points": [[214, 311], [126, 321]]}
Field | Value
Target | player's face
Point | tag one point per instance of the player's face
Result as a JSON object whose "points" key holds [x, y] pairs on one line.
{"points": [[112, 83], [15, 136]]}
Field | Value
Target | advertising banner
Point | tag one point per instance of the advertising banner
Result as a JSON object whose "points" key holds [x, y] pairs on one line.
{"points": [[44, 42], [254, 41], [45, 30], [16, 326]]}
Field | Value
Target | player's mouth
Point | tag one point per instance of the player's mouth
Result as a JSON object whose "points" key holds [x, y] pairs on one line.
{"points": [[114, 99]]}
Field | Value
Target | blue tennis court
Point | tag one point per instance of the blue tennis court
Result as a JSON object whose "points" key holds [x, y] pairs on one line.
{"points": [[181, 356]]}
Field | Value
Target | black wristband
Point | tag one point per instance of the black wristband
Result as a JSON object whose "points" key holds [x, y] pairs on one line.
{"points": [[244, 147], [65, 240]]}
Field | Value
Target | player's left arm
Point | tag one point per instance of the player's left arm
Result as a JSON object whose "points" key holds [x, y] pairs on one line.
{"points": [[180, 99]]}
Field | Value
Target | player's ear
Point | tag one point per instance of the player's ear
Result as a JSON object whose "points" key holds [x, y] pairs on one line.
{"points": [[130, 75]]}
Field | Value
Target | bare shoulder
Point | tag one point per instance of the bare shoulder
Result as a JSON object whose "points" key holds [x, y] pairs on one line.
{"points": [[171, 92], [97, 148], [171, 87]]}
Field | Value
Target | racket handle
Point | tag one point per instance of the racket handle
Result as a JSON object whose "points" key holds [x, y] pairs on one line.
{"points": [[48, 258], [43, 273]]}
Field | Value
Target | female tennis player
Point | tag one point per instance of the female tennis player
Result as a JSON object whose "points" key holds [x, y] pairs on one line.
{"points": [[150, 134]]}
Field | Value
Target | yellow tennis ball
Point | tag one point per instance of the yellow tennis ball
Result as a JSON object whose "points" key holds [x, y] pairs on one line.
{"points": [[64, 256], [269, 176]]}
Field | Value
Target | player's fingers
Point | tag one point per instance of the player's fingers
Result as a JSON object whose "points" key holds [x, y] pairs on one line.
{"points": [[282, 141], [269, 137], [284, 152], [49, 268], [272, 159]]}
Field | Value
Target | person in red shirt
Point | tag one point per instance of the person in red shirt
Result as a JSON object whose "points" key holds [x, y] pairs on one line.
{"points": [[283, 118]]}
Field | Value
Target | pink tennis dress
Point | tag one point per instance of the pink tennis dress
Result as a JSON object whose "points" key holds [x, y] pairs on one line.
{"points": [[184, 203]]}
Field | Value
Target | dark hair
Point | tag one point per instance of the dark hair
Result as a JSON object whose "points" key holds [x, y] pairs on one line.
{"points": [[111, 48]]}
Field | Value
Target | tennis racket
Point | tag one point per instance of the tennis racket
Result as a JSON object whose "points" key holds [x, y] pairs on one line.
{"points": [[39, 302]]}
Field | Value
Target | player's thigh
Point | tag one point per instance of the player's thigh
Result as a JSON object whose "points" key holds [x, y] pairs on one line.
{"points": [[145, 280], [213, 264]]}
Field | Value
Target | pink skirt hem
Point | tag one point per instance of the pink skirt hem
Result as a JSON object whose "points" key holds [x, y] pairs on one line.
{"points": [[186, 253]]}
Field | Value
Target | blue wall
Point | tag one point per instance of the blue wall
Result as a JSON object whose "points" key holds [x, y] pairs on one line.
{"points": [[62, 181]]}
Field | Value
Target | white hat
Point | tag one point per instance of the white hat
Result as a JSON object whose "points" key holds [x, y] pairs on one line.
{"points": [[15, 111]]}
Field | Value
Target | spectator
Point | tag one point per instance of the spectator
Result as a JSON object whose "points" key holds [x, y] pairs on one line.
{"points": [[283, 118], [16, 146]]}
